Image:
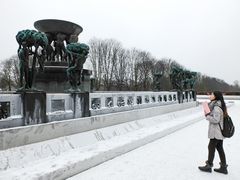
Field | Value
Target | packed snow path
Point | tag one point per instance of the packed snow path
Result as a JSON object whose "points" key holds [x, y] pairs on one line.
{"points": [[176, 156]]}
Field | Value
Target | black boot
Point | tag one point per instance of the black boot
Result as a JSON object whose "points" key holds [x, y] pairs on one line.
{"points": [[222, 169], [207, 167]]}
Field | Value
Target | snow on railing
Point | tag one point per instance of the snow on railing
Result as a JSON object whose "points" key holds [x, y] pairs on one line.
{"points": [[98, 101], [61, 106], [115, 100]]}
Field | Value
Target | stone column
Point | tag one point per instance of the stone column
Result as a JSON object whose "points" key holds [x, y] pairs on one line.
{"points": [[194, 95], [80, 104], [180, 96], [187, 95], [34, 107]]}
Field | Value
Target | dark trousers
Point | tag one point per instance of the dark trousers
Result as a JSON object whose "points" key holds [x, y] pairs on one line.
{"points": [[216, 144]]}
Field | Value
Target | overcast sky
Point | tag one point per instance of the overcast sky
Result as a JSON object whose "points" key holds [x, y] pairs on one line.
{"points": [[202, 35]]}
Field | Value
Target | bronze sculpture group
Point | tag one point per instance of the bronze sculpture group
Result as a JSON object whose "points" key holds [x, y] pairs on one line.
{"points": [[36, 47], [182, 79], [57, 41]]}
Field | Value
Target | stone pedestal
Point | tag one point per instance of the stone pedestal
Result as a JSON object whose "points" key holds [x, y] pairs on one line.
{"points": [[187, 95], [180, 96], [34, 107], [80, 104], [194, 94], [54, 78], [190, 95]]}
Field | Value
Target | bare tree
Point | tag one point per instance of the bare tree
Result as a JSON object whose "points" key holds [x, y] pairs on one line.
{"points": [[9, 75], [111, 50], [117, 68], [5, 75], [95, 57], [15, 70], [145, 69], [120, 69], [133, 74], [103, 55]]}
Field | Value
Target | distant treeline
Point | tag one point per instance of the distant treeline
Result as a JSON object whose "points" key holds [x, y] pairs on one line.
{"points": [[116, 68], [234, 93]]}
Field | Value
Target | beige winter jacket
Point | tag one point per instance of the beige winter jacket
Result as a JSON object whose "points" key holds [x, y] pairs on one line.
{"points": [[214, 118]]}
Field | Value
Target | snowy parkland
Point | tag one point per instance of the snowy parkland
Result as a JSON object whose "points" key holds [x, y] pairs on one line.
{"points": [[165, 142]]}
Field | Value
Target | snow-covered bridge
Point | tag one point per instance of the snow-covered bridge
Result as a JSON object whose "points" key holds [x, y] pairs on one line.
{"points": [[164, 145]]}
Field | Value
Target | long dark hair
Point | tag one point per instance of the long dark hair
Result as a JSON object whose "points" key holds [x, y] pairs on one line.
{"points": [[219, 97]]}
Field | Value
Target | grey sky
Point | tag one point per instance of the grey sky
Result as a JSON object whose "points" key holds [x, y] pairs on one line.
{"points": [[202, 35]]}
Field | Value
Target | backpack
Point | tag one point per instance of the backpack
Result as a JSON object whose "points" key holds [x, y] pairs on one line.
{"points": [[228, 127]]}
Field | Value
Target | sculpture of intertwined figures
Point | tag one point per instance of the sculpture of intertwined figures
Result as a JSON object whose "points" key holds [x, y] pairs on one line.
{"points": [[32, 49], [158, 72], [77, 55], [157, 80], [176, 78], [189, 79]]}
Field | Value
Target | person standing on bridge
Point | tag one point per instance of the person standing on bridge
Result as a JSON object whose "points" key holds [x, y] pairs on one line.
{"points": [[218, 109]]}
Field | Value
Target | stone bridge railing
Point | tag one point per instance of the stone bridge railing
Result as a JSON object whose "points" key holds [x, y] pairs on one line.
{"points": [[101, 103], [62, 106]]}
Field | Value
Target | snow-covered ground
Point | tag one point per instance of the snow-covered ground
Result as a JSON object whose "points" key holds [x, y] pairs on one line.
{"points": [[176, 156], [65, 156]]}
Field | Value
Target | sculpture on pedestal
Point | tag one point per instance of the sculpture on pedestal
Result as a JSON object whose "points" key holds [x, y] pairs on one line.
{"points": [[60, 34], [179, 80], [77, 55], [158, 72], [189, 79], [157, 80], [32, 50], [193, 79], [183, 80], [176, 78]]}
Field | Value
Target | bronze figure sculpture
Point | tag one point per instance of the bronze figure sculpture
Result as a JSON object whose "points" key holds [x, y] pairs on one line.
{"points": [[32, 50], [77, 55]]}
